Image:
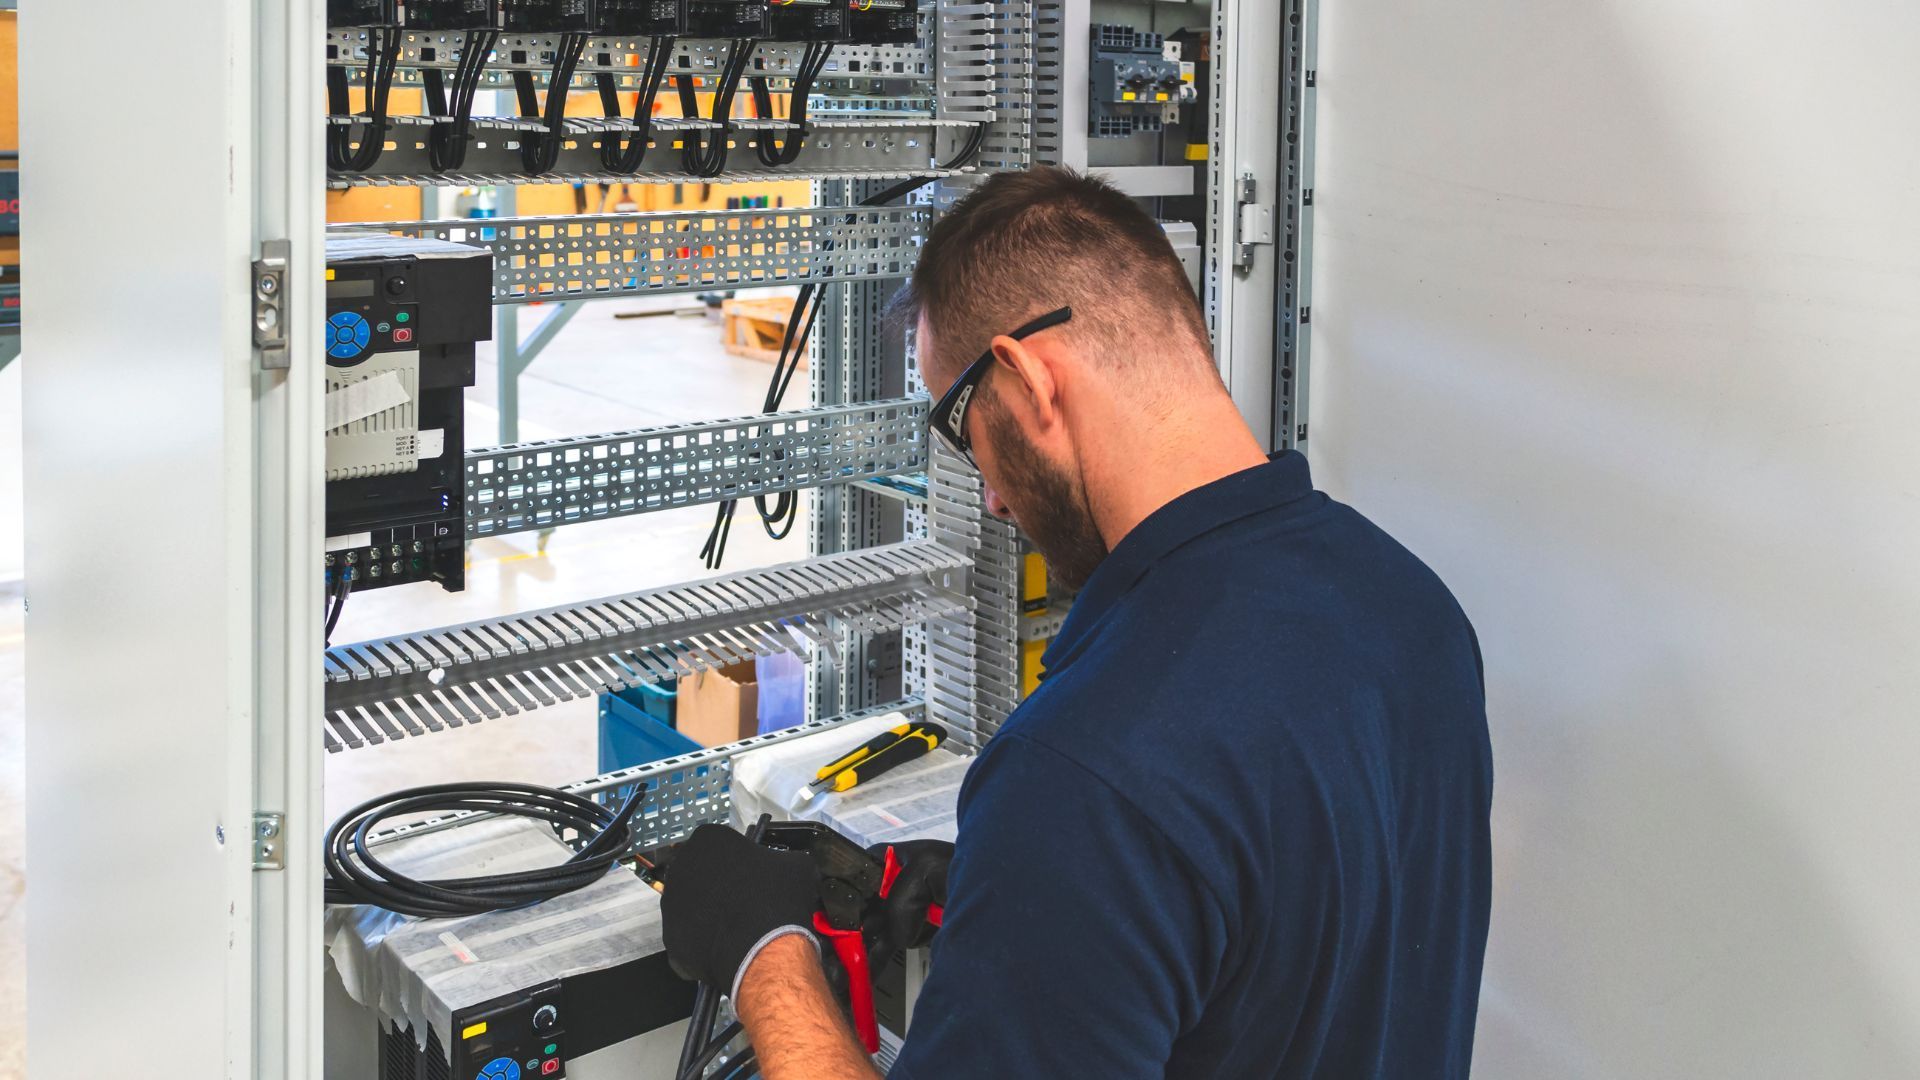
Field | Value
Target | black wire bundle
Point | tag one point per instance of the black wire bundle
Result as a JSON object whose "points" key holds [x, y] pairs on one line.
{"points": [[740, 1066], [704, 153], [447, 146], [812, 62], [341, 586], [779, 517], [540, 151], [355, 876], [626, 158], [383, 58]]}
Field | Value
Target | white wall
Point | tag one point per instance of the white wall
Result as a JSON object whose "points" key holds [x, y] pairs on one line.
{"points": [[1617, 323]]}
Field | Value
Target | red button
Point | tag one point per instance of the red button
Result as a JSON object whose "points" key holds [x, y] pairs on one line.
{"points": [[403, 335], [549, 1066]]}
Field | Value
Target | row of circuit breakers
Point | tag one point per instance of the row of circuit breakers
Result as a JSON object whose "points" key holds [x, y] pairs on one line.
{"points": [[819, 24], [872, 22]]}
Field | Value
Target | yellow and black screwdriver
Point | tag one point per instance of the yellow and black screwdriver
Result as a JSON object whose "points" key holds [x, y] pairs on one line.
{"points": [[891, 748]]}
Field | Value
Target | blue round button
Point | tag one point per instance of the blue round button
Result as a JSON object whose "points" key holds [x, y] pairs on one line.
{"points": [[347, 334], [500, 1068]]}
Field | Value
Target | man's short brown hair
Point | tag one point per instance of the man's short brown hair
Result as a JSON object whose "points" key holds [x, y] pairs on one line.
{"points": [[1025, 243]]}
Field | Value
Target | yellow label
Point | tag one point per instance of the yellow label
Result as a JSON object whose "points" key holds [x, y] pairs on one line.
{"points": [[329, 273], [1159, 97], [471, 1030], [1197, 151], [1127, 95]]}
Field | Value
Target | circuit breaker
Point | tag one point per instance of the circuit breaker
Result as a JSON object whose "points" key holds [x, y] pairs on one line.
{"points": [[1136, 82]]}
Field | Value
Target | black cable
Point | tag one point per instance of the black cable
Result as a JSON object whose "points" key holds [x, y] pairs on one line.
{"points": [[383, 59], [540, 151], [447, 145], [706, 1001], [698, 1066], [356, 876], [626, 157], [704, 153], [340, 590], [812, 62]]}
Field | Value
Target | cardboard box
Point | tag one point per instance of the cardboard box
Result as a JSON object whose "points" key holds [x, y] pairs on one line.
{"points": [[719, 707]]}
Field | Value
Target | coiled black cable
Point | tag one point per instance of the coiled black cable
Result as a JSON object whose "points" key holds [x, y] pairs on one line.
{"points": [[383, 59], [447, 146], [356, 876], [626, 157]]}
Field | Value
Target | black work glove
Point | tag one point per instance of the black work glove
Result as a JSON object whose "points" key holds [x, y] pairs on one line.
{"points": [[920, 885], [726, 898]]}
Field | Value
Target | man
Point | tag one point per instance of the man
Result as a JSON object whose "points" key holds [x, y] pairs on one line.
{"points": [[1241, 828]]}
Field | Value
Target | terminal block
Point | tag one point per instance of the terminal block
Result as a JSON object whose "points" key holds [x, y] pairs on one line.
{"points": [[1132, 81], [549, 16], [885, 22], [812, 20], [347, 13], [453, 15], [641, 18], [729, 19]]}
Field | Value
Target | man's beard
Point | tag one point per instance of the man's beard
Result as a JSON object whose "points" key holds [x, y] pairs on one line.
{"points": [[1049, 506]]}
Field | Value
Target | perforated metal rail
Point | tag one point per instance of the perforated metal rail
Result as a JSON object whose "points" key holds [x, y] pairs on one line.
{"points": [[868, 148], [588, 255], [414, 684], [539, 485]]}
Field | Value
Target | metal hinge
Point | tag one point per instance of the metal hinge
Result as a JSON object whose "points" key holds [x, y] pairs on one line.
{"points": [[268, 845], [269, 303], [1254, 226]]}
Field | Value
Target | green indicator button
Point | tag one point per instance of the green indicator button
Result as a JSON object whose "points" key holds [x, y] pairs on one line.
{"points": [[401, 316], [552, 1049]]}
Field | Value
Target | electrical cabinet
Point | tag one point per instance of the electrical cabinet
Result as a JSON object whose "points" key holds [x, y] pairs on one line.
{"points": [[911, 598]]}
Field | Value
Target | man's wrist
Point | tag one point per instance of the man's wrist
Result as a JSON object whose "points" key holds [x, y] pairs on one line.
{"points": [[780, 941]]}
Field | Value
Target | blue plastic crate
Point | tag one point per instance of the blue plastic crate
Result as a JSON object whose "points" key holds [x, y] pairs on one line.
{"points": [[636, 728]]}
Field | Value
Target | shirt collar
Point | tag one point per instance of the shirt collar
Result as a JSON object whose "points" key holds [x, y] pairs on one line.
{"points": [[1282, 479]]}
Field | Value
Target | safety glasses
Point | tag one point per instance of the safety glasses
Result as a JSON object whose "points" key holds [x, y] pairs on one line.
{"points": [[949, 418]]}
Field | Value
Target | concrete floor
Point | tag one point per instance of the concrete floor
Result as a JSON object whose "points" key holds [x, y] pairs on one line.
{"points": [[601, 374]]}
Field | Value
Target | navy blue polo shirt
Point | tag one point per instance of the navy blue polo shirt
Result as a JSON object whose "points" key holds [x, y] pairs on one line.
{"points": [[1241, 828]]}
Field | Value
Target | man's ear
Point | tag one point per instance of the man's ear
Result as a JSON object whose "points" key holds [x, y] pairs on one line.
{"points": [[1032, 384]]}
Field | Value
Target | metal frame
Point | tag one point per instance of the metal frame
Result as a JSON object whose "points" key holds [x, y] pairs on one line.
{"points": [[541, 485], [1256, 280], [1295, 301]]}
